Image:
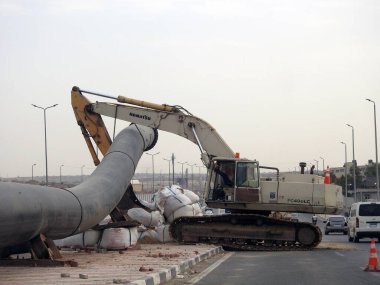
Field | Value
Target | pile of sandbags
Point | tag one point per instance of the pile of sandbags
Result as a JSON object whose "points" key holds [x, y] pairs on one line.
{"points": [[169, 203], [109, 238]]}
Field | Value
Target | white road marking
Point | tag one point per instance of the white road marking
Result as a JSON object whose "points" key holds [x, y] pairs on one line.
{"points": [[208, 270], [338, 253]]}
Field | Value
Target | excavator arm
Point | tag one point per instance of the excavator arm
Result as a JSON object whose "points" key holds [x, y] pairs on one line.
{"points": [[91, 125], [167, 118]]}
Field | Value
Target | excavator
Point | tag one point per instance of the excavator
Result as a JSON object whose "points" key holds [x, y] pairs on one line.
{"points": [[233, 183]]}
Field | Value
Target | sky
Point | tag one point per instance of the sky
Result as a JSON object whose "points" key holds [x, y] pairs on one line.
{"points": [[278, 80]]}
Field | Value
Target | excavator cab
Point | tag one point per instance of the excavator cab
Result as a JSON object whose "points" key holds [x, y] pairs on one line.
{"points": [[233, 180]]}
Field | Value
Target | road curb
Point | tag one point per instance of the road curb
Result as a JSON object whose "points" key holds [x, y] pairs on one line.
{"points": [[167, 274]]}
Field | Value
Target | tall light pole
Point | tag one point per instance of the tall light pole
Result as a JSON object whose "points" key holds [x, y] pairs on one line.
{"points": [[199, 177], [323, 164], [46, 160], [192, 176], [173, 158], [168, 160], [60, 173], [33, 165], [81, 172], [353, 158], [182, 163], [377, 163], [152, 155], [345, 170], [317, 166]]}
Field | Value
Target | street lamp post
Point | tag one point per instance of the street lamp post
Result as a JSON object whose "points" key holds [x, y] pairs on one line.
{"points": [[46, 160], [168, 160], [199, 177], [173, 158], [323, 164], [182, 163], [377, 163], [345, 170], [353, 158], [152, 155], [33, 165], [317, 166], [60, 173], [311, 166], [81, 172], [192, 176]]}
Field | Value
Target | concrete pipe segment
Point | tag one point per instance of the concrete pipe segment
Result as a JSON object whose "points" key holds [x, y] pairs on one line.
{"points": [[28, 210]]}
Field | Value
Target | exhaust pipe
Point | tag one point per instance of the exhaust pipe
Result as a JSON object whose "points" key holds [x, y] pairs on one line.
{"points": [[302, 165], [28, 210]]}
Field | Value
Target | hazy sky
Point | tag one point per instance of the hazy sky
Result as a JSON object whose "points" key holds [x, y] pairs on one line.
{"points": [[277, 79]]}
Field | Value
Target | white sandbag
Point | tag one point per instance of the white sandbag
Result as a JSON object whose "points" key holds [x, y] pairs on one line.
{"points": [[151, 235], [191, 195], [169, 191], [163, 194], [150, 205], [197, 209], [163, 233], [86, 239], [176, 189], [118, 238], [152, 219], [185, 211], [173, 203]]}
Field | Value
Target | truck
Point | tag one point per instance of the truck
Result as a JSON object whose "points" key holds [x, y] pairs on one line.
{"points": [[233, 183]]}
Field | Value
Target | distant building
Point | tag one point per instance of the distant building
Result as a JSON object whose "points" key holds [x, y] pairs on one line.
{"points": [[339, 171], [366, 195]]}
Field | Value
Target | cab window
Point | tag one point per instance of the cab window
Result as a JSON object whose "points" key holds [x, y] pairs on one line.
{"points": [[222, 177], [225, 173], [247, 175]]}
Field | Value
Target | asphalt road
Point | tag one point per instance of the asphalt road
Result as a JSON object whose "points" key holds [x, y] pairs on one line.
{"points": [[320, 266]]}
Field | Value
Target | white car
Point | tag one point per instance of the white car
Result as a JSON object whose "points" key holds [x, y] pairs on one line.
{"points": [[364, 221]]}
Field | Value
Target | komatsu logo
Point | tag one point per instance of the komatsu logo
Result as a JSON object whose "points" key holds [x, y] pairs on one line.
{"points": [[298, 201], [144, 117]]}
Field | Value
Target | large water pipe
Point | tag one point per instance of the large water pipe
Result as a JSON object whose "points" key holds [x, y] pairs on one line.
{"points": [[28, 210]]}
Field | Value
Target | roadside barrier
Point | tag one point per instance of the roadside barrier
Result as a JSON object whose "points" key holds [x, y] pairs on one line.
{"points": [[373, 263]]}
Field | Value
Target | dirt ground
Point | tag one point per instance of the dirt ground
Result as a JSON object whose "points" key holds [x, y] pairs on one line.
{"points": [[335, 246]]}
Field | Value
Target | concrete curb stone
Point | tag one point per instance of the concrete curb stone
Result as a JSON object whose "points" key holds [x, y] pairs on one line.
{"points": [[167, 274]]}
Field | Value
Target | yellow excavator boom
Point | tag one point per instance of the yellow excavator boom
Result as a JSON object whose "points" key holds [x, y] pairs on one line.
{"points": [[91, 124]]}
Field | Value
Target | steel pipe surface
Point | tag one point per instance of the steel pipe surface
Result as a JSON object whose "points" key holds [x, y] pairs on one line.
{"points": [[28, 210]]}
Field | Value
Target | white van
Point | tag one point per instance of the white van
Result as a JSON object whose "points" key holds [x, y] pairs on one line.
{"points": [[364, 221]]}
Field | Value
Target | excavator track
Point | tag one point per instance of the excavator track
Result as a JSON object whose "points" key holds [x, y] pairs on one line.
{"points": [[247, 232]]}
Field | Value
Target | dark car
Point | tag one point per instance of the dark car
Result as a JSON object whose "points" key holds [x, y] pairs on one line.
{"points": [[336, 224]]}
